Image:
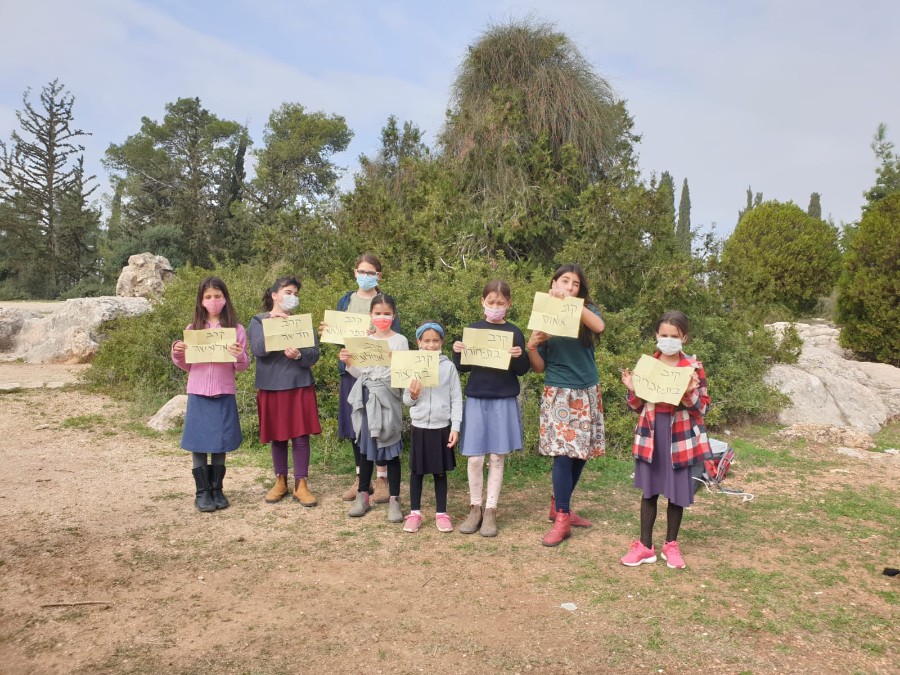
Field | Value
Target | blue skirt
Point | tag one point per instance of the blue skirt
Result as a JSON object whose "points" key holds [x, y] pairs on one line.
{"points": [[368, 446], [491, 426], [659, 477], [211, 424]]}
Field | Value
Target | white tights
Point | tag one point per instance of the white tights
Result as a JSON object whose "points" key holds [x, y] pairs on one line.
{"points": [[475, 470]]}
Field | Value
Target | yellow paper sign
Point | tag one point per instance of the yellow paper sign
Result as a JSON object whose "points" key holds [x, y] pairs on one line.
{"points": [[419, 365], [209, 345], [556, 316], [365, 352], [292, 331], [486, 348], [655, 382], [343, 325]]}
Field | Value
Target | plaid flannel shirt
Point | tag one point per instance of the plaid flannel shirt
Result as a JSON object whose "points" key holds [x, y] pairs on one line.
{"points": [[690, 443]]}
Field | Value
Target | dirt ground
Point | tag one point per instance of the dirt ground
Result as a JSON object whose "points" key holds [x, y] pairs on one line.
{"points": [[94, 512]]}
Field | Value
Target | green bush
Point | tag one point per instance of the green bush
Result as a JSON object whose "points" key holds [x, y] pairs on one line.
{"points": [[779, 255], [868, 303]]}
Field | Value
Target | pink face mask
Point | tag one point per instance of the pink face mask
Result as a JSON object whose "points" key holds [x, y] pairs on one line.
{"points": [[495, 314], [214, 305], [382, 324]]}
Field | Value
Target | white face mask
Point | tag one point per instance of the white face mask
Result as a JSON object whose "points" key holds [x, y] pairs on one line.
{"points": [[289, 302], [668, 346]]}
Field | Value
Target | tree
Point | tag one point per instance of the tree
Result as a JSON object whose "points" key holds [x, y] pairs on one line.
{"points": [[752, 202], [780, 255], [666, 189], [887, 179], [683, 230], [815, 206], [42, 181], [180, 174], [868, 302]]}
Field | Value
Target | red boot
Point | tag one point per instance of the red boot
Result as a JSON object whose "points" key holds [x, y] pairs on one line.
{"points": [[577, 521], [561, 530]]}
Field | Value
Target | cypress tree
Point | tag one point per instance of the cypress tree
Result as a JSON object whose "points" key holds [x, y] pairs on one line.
{"points": [[683, 231]]}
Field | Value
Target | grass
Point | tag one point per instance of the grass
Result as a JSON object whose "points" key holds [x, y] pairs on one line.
{"points": [[888, 437], [84, 422]]}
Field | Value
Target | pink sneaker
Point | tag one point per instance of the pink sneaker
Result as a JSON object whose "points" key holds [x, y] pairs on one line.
{"points": [[413, 520], [672, 555], [443, 522], [637, 554]]}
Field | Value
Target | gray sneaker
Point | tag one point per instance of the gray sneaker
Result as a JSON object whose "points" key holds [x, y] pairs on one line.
{"points": [[395, 513], [360, 505]]}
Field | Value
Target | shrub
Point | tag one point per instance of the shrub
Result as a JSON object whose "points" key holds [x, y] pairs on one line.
{"points": [[868, 303], [780, 255]]}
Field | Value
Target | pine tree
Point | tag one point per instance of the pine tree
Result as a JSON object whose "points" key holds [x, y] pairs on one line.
{"points": [[683, 231]]}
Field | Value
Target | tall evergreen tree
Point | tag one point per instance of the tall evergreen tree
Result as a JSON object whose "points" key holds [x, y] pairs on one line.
{"points": [[42, 178], [683, 231], [752, 202], [887, 180], [815, 206], [666, 190]]}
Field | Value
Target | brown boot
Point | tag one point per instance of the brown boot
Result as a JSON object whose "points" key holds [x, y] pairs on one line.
{"points": [[382, 494], [278, 491], [350, 493], [302, 493], [489, 523], [473, 521], [561, 530]]}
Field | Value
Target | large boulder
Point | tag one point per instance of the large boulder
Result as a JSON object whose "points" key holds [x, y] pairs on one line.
{"points": [[145, 276], [70, 334], [827, 386], [11, 321], [171, 415]]}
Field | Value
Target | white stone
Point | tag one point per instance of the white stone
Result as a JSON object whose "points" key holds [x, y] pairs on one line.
{"points": [[145, 276], [827, 386], [170, 415]]}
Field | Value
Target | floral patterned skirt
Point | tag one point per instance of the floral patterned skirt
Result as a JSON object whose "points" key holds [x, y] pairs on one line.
{"points": [[572, 423]]}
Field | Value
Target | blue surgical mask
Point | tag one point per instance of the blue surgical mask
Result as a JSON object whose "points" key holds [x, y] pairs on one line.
{"points": [[365, 282], [669, 346], [289, 302]]}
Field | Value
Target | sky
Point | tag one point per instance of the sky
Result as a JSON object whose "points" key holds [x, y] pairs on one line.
{"points": [[781, 95]]}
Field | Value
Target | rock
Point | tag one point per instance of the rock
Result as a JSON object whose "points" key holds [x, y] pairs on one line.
{"points": [[70, 333], [866, 454], [851, 452], [827, 434], [828, 387], [170, 415], [11, 322], [145, 276], [892, 451]]}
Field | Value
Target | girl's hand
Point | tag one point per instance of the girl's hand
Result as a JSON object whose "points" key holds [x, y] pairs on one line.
{"points": [[344, 356], [322, 327], [292, 353], [454, 437], [179, 347], [415, 388], [693, 385], [459, 347], [515, 352], [626, 380], [537, 338], [235, 349], [553, 293]]}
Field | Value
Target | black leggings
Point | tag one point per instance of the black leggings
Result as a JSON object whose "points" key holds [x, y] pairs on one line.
{"points": [[648, 517], [440, 491], [366, 467], [357, 454]]}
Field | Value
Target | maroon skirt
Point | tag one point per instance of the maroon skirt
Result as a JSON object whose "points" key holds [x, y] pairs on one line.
{"points": [[286, 414]]}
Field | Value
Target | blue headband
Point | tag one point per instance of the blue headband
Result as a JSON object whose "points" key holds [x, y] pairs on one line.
{"points": [[431, 325]]}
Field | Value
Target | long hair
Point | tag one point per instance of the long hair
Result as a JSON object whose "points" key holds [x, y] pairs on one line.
{"points": [[586, 336], [268, 302], [228, 317]]}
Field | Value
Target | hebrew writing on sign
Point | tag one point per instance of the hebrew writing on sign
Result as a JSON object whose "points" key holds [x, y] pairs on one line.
{"points": [[209, 345], [486, 348], [419, 365], [655, 382], [365, 352], [343, 325], [556, 316], [291, 331]]}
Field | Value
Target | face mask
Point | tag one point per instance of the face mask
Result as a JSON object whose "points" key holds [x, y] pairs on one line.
{"points": [[289, 302], [495, 314], [668, 346], [365, 282], [382, 324], [214, 305]]}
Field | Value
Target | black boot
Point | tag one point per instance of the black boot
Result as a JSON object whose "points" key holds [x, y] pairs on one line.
{"points": [[204, 500], [216, 474]]}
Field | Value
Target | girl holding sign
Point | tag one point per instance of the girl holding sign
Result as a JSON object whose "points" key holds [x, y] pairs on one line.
{"points": [[436, 413], [668, 440], [285, 396], [572, 429], [211, 423], [376, 412], [367, 272], [492, 421]]}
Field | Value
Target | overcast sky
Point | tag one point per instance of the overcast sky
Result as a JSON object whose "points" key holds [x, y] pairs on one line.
{"points": [[783, 96]]}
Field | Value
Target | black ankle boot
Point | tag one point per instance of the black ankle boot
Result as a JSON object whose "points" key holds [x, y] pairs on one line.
{"points": [[216, 474], [204, 500]]}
